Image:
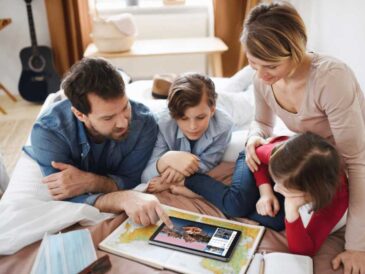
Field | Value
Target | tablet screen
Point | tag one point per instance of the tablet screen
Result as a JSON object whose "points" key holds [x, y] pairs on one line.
{"points": [[197, 238]]}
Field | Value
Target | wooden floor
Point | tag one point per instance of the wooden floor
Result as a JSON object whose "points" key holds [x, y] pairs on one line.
{"points": [[15, 127]]}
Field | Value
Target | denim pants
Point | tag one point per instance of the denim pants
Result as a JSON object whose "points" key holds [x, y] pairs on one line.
{"points": [[238, 199]]}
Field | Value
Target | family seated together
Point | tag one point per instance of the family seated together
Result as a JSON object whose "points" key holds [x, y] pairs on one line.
{"points": [[96, 146]]}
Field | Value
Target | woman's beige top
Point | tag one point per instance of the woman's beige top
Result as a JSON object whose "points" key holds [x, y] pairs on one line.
{"points": [[334, 108]]}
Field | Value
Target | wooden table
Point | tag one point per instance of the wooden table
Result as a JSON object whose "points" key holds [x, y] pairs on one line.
{"points": [[212, 46]]}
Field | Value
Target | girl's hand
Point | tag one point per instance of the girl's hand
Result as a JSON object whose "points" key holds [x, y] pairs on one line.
{"points": [[251, 158], [268, 205], [292, 205]]}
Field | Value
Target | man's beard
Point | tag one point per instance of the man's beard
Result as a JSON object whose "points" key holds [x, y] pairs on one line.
{"points": [[121, 137], [100, 137]]}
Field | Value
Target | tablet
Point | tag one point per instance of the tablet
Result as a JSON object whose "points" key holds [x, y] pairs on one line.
{"points": [[198, 238]]}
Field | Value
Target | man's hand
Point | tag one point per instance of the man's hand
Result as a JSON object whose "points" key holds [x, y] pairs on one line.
{"points": [[145, 209], [142, 208], [71, 182], [67, 183], [353, 262], [184, 162]]}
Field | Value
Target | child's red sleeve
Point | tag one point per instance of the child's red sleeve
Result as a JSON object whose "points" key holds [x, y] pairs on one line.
{"points": [[307, 240], [262, 174], [264, 153]]}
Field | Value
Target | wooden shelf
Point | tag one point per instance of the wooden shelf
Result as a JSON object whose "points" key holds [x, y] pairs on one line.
{"points": [[211, 46]]}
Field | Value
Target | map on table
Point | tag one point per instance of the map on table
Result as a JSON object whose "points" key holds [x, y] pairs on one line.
{"points": [[131, 241]]}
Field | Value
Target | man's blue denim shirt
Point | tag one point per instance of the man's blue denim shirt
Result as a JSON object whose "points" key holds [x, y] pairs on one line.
{"points": [[59, 136]]}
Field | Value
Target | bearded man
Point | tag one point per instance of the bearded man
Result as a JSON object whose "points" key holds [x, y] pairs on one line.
{"points": [[93, 146]]}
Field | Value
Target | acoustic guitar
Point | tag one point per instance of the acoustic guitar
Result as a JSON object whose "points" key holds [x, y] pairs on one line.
{"points": [[38, 77]]}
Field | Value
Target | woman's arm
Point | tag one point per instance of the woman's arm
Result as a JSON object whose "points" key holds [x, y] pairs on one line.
{"points": [[264, 120], [343, 102], [261, 127]]}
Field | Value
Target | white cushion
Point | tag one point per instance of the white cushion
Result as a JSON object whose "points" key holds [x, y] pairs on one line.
{"points": [[236, 145]]}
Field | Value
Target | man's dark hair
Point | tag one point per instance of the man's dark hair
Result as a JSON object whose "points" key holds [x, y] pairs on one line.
{"points": [[92, 75]]}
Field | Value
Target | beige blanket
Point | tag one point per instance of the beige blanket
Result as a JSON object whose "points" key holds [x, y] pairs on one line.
{"points": [[22, 261]]}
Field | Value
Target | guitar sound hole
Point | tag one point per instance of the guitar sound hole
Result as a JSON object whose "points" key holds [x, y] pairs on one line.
{"points": [[36, 63]]}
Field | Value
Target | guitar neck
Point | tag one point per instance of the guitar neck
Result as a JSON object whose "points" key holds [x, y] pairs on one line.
{"points": [[33, 37]]}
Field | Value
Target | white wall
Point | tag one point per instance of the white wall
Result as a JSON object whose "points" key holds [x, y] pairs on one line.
{"points": [[337, 28], [16, 36]]}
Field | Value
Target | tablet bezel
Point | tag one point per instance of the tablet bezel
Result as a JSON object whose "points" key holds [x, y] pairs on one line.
{"points": [[225, 258]]}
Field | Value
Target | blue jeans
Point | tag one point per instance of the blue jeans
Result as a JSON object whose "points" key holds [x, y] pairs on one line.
{"points": [[238, 199]]}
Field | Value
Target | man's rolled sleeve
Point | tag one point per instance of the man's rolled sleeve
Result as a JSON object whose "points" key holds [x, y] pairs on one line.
{"points": [[118, 181], [89, 199]]}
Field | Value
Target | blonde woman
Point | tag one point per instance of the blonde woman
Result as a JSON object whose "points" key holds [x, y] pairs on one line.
{"points": [[309, 92]]}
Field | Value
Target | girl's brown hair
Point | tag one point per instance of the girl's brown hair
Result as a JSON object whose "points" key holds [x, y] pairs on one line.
{"points": [[275, 32], [187, 91], [308, 163]]}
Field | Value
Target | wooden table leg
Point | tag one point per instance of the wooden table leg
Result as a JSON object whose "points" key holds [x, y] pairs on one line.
{"points": [[216, 64], [12, 97], [2, 110]]}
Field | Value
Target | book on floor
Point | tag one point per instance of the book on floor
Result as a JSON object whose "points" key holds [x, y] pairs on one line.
{"points": [[278, 262]]}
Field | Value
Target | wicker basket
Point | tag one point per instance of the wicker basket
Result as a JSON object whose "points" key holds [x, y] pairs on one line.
{"points": [[108, 38], [113, 44]]}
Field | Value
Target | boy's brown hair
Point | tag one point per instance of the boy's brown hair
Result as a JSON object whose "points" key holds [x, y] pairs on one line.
{"points": [[308, 163], [187, 91]]}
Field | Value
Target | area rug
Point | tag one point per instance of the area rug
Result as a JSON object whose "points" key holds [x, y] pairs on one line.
{"points": [[13, 135]]}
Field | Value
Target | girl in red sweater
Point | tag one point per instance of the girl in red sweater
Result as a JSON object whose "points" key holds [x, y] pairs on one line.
{"points": [[307, 171], [299, 185]]}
